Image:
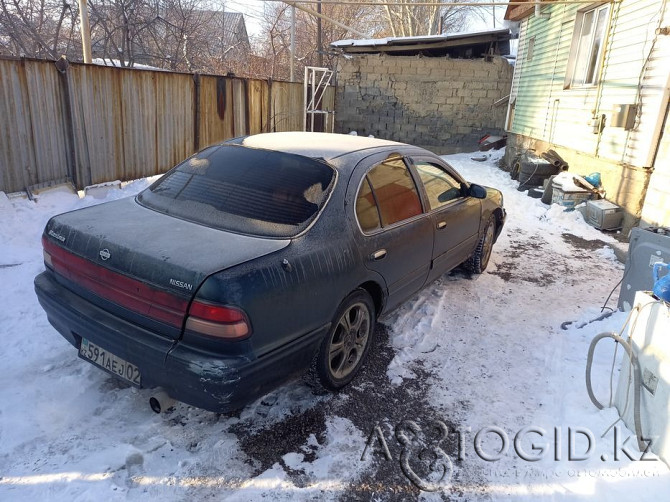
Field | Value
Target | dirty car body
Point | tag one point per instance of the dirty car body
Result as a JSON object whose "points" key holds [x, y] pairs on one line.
{"points": [[237, 268]]}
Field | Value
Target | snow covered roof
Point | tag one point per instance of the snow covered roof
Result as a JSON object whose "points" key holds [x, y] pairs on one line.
{"points": [[314, 144], [422, 43], [117, 64]]}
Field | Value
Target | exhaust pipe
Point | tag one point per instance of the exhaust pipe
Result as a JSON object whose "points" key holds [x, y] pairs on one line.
{"points": [[160, 402]]}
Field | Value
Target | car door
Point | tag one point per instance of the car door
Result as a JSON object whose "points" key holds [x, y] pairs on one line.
{"points": [[393, 233], [454, 214]]}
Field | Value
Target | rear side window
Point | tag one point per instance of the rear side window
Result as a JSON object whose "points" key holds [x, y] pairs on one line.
{"points": [[366, 208], [387, 195], [251, 191]]}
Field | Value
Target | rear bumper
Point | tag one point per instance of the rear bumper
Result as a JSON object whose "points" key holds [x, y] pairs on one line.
{"points": [[208, 380]]}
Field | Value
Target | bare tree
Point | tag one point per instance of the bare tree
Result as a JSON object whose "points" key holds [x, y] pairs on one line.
{"points": [[173, 35], [399, 20], [405, 20], [118, 29], [274, 51], [180, 35], [37, 28], [187, 35]]}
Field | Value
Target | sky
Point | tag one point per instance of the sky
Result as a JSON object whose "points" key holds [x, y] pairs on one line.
{"points": [[252, 10]]}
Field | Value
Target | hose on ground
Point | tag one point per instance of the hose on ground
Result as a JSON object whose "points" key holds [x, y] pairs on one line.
{"points": [[634, 366]]}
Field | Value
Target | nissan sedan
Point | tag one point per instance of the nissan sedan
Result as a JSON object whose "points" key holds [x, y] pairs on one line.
{"points": [[258, 259]]}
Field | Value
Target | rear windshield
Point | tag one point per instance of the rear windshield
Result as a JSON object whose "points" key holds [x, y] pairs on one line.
{"points": [[244, 190]]}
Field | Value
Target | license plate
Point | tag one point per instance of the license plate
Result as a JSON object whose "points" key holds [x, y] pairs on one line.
{"points": [[110, 362]]}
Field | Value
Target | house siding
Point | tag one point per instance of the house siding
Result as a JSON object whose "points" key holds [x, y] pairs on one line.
{"points": [[521, 51], [656, 210], [635, 69]]}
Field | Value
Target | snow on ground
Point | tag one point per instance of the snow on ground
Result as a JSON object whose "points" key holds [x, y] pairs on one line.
{"points": [[474, 353]]}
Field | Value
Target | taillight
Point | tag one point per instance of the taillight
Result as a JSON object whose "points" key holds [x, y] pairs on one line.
{"points": [[217, 320], [130, 293], [47, 259]]}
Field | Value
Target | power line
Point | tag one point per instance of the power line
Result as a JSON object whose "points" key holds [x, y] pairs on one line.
{"points": [[257, 10], [471, 3], [238, 10]]}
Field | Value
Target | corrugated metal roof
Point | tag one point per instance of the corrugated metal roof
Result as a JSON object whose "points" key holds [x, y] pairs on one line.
{"points": [[456, 45], [465, 37]]}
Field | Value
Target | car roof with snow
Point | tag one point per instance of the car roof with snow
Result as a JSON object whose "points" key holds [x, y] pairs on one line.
{"points": [[326, 146]]}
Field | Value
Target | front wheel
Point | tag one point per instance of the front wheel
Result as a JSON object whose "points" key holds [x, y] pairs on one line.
{"points": [[480, 258], [344, 350]]}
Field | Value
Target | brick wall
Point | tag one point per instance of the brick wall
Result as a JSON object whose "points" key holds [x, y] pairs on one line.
{"points": [[443, 104]]}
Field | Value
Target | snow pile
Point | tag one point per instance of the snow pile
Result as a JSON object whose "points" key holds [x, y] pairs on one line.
{"points": [[567, 183], [488, 351]]}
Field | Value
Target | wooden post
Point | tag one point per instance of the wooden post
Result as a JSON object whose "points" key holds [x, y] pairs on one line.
{"points": [[319, 42], [62, 66], [292, 75], [268, 122], [196, 115], [85, 32]]}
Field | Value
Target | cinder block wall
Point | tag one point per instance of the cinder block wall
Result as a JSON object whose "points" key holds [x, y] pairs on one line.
{"points": [[443, 104]]}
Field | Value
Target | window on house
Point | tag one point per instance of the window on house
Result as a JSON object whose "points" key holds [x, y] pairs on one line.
{"points": [[531, 49], [587, 46]]}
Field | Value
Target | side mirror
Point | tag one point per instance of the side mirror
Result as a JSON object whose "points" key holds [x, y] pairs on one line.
{"points": [[452, 193], [477, 191]]}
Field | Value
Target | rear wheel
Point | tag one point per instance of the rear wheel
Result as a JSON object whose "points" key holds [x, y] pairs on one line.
{"points": [[344, 350], [479, 260]]}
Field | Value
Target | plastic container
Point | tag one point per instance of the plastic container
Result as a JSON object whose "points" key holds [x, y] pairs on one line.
{"points": [[566, 193], [568, 198]]}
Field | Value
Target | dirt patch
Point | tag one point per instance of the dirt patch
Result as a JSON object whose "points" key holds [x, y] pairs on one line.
{"points": [[580, 243], [289, 435], [524, 261], [369, 402], [373, 401]]}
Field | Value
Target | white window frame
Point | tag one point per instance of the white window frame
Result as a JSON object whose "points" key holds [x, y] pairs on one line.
{"points": [[583, 69], [531, 49]]}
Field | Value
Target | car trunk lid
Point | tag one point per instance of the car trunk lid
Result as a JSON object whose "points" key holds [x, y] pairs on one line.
{"points": [[144, 261]]}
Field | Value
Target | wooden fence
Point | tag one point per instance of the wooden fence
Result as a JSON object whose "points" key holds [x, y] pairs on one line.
{"points": [[91, 124]]}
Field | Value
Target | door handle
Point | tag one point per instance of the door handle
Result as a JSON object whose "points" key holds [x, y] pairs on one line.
{"points": [[441, 225], [378, 255]]}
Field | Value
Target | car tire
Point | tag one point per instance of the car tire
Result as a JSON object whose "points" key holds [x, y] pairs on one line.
{"points": [[540, 168], [507, 167], [479, 260], [344, 350], [531, 181]]}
